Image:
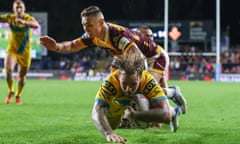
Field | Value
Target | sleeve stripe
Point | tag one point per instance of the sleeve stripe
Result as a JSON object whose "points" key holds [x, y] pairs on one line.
{"points": [[158, 99], [128, 46], [102, 102]]}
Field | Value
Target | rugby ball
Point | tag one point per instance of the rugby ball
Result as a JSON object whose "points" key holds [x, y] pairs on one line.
{"points": [[140, 103]]}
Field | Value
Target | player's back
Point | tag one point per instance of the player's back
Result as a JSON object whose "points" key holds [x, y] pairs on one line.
{"points": [[122, 36]]}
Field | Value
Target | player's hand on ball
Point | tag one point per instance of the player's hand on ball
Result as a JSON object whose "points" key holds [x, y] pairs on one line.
{"points": [[115, 138], [48, 42], [129, 113]]}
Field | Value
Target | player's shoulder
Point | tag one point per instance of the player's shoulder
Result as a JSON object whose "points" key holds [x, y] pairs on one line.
{"points": [[147, 75], [147, 79], [113, 26], [8, 15], [28, 16], [111, 83], [113, 77]]}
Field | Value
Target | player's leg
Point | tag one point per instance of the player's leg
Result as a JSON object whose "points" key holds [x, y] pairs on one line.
{"points": [[174, 124], [158, 70], [9, 64], [21, 82], [24, 62], [174, 93]]}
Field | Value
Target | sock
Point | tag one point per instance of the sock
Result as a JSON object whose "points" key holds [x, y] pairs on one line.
{"points": [[19, 88], [172, 109], [10, 83], [170, 92], [175, 110]]}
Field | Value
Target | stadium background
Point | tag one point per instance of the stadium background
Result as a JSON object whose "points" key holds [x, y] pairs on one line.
{"points": [[64, 18]]}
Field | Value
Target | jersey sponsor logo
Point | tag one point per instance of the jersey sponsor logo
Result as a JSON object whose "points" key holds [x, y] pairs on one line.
{"points": [[105, 94], [150, 85], [110, 87], [123, 42], [156, 92]]}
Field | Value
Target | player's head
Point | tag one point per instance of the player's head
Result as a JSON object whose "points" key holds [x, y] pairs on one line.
{"points": [[19, 7], [146, 31], [92, 20], [130, 73]]}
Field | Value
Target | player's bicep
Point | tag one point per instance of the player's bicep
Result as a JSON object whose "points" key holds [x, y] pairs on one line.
{"points": [[100, 107], [124, 43]]}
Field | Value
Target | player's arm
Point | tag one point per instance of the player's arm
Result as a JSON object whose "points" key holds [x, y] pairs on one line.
{"points": [[60, 47], [160, 109], [160, 112], [127, 46], [101, 122], [100, 119], [4, 18], [32, 23], [133, 49]]}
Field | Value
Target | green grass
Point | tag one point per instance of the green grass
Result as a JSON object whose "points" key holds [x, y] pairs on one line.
{"points": [[59, 112]]}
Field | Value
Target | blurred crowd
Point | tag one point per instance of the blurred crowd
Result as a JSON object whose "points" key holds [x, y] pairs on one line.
{"points": [[231, 60], [81, 62], [190, 64], [194, 64]]}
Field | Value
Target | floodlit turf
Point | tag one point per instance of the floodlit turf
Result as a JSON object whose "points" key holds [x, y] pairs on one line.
{"points": [[59, 112]]}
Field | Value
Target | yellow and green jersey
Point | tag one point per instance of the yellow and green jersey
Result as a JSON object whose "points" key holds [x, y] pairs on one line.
{"points": [[20, 35]]}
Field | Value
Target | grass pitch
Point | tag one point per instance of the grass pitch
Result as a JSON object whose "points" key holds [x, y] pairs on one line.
{"points": [[59, 112]]}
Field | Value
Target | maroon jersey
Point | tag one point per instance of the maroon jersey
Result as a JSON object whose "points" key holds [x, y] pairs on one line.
{"points": [[118, 39]]}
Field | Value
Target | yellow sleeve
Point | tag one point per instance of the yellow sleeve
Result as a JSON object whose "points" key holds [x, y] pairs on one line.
{"points": [[29, 18], [79, 44], [105, 92], [151, 88], [5, 18], [108, 90]]}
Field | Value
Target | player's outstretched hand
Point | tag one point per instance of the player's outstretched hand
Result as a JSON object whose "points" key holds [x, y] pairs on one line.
{"points": [[115, 138], [48, 42]]}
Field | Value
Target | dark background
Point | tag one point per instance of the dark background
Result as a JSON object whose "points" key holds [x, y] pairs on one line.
{"points": [[64, 15]]}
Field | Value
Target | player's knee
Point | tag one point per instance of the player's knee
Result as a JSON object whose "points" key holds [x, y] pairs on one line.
{"points": [[22, 75], [9, 71]]}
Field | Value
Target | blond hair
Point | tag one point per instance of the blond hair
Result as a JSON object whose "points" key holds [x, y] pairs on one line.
{"points": [[131, 63]]}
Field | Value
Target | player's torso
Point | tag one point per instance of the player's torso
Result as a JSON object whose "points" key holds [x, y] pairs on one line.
{"points": [[116, 99], [114, 96], [19, 35]]}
